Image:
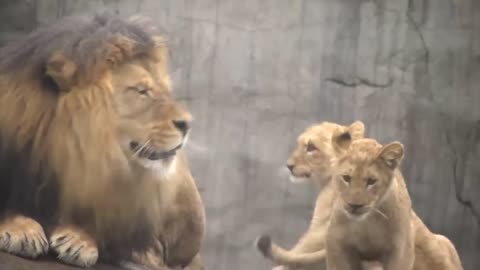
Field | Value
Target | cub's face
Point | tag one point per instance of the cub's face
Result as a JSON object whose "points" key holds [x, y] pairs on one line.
{"points": [[364, 174], [314, 154], [152, 125], [311, 159]]}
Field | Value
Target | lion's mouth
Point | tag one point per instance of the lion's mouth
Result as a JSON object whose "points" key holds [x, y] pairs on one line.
{"points": [[151, 154]]}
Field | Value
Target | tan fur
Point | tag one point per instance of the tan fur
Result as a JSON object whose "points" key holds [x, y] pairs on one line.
{"points": [[430, 249], [316, 165], [74, 246], [22, 236], [371, 215], [312, 163], [107, 191], [433, 251]]}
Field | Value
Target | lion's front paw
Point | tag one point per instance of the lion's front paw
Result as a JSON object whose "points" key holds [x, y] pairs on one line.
{"points": [[73, 246], [23, 236]]}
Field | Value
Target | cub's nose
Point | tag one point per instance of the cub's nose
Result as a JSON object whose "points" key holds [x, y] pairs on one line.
{"points": [[355, 207], [182, 125], [290, 167]]}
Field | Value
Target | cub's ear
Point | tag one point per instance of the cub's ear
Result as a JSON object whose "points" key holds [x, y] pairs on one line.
{"points": [[62, 70], [357, 130], [341, 139], [391, 154]]}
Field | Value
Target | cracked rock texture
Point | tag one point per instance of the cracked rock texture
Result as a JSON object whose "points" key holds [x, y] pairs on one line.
{"points": [[255, 73]]}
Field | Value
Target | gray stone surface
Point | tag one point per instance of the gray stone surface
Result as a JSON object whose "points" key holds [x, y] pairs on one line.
{"points": [[255, 73]]}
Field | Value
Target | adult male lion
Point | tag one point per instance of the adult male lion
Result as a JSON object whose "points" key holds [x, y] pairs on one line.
{"points": [[91, 148]]}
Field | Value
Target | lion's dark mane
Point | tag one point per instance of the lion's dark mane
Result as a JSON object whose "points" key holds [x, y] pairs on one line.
{"points": [[29, 186]]}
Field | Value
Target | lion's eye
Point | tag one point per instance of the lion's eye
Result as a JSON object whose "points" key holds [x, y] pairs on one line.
{"points": [[347, 178], [311, 147], [371, 181]]}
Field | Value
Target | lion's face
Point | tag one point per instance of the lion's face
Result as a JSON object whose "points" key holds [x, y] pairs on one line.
{"points": [[313, 155], [152, 127], [365, 173]]}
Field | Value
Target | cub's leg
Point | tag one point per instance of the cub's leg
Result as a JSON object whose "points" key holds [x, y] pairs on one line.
{"points": [[340, 257], [343, 261], [22, 236], [400, 259], [402, 256], [74, 246], [397, 261]]}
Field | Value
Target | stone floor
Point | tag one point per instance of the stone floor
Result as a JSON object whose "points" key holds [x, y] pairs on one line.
{"points": [[9, 262]]}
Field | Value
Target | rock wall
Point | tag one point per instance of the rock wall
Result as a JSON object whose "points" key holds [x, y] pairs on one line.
{"points": [[255, 73]]}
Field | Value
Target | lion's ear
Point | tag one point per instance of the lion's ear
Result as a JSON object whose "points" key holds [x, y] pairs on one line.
{"points": [[391, 154], [160, 53], [357, 130], [117, 50], [62, 70], [341, 139]]}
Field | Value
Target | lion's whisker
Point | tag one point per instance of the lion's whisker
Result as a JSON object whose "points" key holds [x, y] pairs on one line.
{"points": [[144, 145]]}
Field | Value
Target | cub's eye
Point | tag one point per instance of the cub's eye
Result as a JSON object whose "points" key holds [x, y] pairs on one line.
{"points": [[143, 91], [347, 178], [371, 181], [311, 147]]}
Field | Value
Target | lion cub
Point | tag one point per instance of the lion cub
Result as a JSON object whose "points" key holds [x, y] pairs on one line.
{"points": [[311, 161], [432, 251], [371, 216]]}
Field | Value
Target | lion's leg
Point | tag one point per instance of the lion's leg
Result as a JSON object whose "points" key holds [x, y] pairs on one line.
{"points": [[149, 259], [195, 264], [136, 266], [74, 246], [22, 236]]}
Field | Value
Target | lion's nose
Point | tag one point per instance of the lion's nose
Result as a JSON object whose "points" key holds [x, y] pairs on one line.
{"points": [[182, 125]]}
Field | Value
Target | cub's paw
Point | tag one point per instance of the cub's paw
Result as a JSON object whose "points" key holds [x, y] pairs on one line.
{"points": [[73, 246], [22, 236]]}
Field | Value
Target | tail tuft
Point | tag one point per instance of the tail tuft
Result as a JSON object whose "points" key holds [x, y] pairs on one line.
{"points": [[264, 245]]}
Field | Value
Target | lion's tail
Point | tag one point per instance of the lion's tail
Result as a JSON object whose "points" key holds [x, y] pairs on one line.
{"points": [[287, 258]]}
